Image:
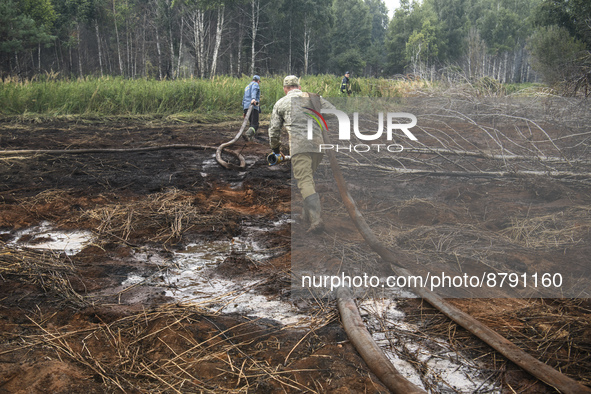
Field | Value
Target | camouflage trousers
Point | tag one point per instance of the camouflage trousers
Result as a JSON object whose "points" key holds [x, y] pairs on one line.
{"points": [[303, 166]]}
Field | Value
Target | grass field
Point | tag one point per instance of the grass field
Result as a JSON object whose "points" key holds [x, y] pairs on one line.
{"points": [[218, 97], [117, 96]]}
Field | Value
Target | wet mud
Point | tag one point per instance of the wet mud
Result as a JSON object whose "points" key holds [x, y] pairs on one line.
{"points": [[109, 318]]}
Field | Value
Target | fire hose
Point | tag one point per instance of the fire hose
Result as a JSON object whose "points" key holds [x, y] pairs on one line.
{"points": [[218, 152], [219, 149], [31, 152], [361, 338], [351, 319], [272, 158], [388, 374]]}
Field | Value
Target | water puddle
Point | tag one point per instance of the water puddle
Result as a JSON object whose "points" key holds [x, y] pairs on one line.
{"points": [[46, 237], [210, 166], [427, 362], [191, 277]]}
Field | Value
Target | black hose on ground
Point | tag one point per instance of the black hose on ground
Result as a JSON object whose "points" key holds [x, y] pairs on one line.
{"points": [[33, 152], [371, 353], [349, 313], [538, 369], [218, 152]]}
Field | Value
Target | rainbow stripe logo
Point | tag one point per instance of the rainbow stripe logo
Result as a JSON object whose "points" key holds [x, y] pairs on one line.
{"points": [[317, 117]]}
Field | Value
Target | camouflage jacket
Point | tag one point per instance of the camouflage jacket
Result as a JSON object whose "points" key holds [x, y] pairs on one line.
{"points": [[290, 111]]}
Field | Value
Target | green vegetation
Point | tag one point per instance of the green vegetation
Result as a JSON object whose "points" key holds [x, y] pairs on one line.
{"points": [[509, 41], [119, 96]]}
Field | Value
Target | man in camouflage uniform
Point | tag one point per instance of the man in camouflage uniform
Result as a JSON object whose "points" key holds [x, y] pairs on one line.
{"points": [[289, 111]]}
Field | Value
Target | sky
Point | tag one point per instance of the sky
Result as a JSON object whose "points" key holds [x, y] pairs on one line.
{"points": [[392, 5]]}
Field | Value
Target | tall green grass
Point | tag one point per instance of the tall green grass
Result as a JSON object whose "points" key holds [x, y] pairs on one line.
{"points": [[118, 96]]}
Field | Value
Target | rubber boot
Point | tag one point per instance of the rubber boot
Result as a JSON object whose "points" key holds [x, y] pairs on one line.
{"points": [[249, 134], [305, 217], [312, 205]]}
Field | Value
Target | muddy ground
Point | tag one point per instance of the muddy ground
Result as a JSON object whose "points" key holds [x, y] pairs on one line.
{"points": [[68, 325]]}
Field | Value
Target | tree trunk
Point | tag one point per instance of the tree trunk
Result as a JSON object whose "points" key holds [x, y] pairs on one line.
{"points": [[171, 41], [239, 54], [135, 56], [518, 67], [178, 67], [202, 59], [98, 41], [117, 39], [79, 50], [70, 58], [289, 59], [307, 44], [17, 64], [505, 67], [143, 54], [218, 40], [231, 64], [129, 48], [199, 40], [159, 54], [58, 49], [107, 60], [494, 67], [255, 5]]}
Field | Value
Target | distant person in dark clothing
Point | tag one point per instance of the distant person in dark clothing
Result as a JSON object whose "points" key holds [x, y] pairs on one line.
{"points": [[346, 84], [252, 95]]}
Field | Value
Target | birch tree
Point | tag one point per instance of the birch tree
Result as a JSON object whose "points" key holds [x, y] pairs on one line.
{"points": [[317, 21], [117, 37], [197, 17], [254, 29], [218, 39]]}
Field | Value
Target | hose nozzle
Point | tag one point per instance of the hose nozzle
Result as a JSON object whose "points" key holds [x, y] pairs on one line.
{"points": [[276, 158]]}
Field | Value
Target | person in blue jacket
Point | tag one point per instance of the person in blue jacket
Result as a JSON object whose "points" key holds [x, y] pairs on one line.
{"points": [[252, 95]]}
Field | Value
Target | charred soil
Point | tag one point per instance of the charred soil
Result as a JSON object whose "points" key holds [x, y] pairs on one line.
{"points": [[67, 324]]}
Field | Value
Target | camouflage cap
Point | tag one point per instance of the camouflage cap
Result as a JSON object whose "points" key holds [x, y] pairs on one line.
{"points": [[291, 80]]}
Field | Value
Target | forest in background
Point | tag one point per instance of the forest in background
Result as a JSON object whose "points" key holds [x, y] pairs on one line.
{"points": [[510, 41]]}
